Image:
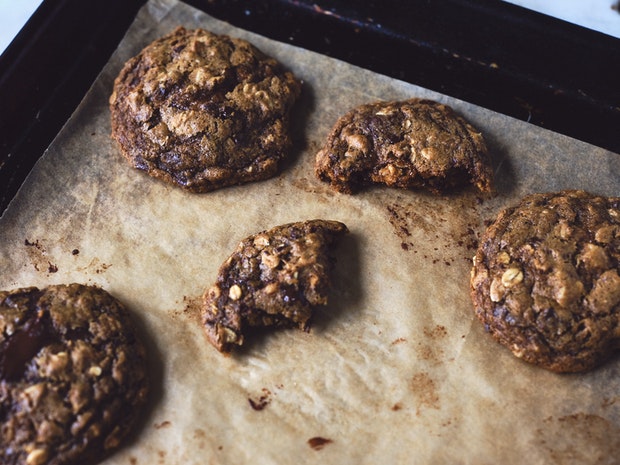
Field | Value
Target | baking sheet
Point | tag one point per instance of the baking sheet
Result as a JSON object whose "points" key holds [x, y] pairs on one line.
{"points": [[394, 370]]}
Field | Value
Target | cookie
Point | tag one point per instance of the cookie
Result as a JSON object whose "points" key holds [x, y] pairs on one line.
{"points": [[545, 281], [273, 278], [411, 144], [72, 375], [203, 111]]}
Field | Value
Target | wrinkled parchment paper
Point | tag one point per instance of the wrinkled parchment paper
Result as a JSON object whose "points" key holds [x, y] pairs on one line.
{"points": [[394, 370]]}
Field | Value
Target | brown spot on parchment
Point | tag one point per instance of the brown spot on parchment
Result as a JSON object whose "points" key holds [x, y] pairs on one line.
{"points": [[262, 401], [133, 460], [103, 267], [429, 353], [200, 436], [163, 424], [399, 340], [95, 266], [192, 309], [580, 438], [437, 332], [468, 238], [447, 223], [311, 187], [39, 258], [432, 352], [265, 398], [423, 387], [318, 443], [399, 220], [34, 244]]}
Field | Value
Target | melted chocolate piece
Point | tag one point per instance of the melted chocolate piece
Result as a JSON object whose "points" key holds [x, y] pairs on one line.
{"points": [[22, 346]]}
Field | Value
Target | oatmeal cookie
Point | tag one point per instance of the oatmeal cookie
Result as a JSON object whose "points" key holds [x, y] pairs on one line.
{"points": [[203, 111], [414, 143], [273, 278], [545, 281], [72, 375]]}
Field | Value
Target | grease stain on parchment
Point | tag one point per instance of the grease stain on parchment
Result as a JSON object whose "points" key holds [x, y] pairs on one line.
{"points": [[424, 389], [191, 309], [39, 257], [580, 438], [43, 261], [94, 266], [450, 225], [431, 348]]}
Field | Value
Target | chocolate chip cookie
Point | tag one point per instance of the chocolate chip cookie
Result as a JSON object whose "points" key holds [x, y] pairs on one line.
{"points": [[72, 375], [273, 278], [545, 280], [203, 111], [411, 144]]}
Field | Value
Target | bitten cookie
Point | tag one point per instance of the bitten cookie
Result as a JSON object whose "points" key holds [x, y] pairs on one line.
{"points": [[545, 279], [203, 111], [413, 143], [72, 375], [273, 278]]}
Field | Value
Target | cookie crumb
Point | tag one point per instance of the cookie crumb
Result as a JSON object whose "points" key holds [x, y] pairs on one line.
{"points": [[318, 443]]}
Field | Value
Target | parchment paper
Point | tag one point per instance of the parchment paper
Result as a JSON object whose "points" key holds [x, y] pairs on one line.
{"points": [[394, 370]]}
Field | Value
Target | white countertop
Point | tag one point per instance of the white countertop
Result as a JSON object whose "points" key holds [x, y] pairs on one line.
{"points": [[13, 15], [599, 15]]}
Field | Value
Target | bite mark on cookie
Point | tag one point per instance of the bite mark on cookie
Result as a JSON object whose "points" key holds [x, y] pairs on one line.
{"points": [[410, 144], [273, 278]]}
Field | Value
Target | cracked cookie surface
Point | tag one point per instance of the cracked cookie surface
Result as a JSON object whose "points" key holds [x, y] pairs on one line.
{"points": [[273, 278], [203, 111], [545, 280], [72, 375], [413, 143]]}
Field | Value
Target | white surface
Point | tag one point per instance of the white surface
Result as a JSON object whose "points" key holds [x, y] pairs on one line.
{"points": [[13, 15], [593, 14]]}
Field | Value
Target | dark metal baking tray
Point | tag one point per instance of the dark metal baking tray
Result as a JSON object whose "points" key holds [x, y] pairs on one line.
{"points": [[500, 56]]}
